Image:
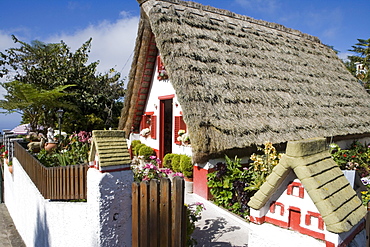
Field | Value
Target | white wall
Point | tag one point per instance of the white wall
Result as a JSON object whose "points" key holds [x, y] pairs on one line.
{"points": [[104, 220], [163, 88], [39, 221]]}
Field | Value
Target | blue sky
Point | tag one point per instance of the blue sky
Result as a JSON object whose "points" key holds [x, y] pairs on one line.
{"points": [[113, 24]]}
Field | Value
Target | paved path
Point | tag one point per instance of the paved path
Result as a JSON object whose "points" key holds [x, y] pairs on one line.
{"points": [[9, 236], [217, 227]]}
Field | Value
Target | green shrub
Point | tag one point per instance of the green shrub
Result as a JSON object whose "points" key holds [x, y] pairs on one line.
{"points": [[186, 166], [146, 152], [137, 148], [167, 160], [176, 163], [134, 143]]}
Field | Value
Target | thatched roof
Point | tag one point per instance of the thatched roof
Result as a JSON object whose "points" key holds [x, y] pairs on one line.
{"points": [[242, 81], [325, 183], [111, 147]]}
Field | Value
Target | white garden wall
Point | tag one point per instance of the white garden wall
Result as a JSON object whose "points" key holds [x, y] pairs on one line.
{"points": [[104, 220]]}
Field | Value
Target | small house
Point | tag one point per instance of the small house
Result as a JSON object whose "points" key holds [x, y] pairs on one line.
{"points": [[109, 151], [231, 82], [307, 201]]}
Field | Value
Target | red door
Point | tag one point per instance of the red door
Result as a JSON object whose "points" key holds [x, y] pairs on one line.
{"points": [[165, 128], [294, 219]]}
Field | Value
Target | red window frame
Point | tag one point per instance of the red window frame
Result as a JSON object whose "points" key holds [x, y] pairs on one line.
{"points": [[179, 125]]}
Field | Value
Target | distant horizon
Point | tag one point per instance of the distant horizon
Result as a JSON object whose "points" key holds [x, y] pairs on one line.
{"points": [[9, 121]]}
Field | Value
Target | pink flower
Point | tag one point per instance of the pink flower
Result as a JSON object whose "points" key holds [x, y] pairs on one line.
{"points": [[153, 157], [167, 171], [178, 174]]}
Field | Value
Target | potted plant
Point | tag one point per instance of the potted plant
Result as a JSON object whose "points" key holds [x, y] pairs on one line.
{"points": [[10, 167], [145, 152], [145, 132], [183, 137], [186, 167]]}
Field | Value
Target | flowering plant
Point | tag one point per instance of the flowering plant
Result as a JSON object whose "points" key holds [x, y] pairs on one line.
{"points": [[183, 136], [145, 132], [71, 151], [356, 157], [181, 132], [233, 184], [148, 171], [3, 152]]}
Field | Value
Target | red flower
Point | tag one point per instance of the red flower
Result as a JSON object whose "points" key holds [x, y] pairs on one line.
{"points": [[353, 156], [344, 155]]}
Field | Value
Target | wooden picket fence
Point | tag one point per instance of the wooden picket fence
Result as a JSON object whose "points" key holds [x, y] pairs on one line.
{"points": [[158, 214], [56, 183]]}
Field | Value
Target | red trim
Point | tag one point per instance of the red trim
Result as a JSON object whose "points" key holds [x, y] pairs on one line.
{"points": [[257, 220], [301, 230], [308, 217], [149, 113], [153, 127], [145, 121], [179, 125], [146, 80], [312, 233], [294, 185], [200, 187], [171, 96], [329, 244], [277, 222], [273, 207]]}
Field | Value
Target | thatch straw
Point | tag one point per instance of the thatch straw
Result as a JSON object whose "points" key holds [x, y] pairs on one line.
{"points": [[111, 146], [242, 81]]}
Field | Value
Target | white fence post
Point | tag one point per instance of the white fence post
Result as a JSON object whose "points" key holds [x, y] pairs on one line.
{"points": [[109, 198]]}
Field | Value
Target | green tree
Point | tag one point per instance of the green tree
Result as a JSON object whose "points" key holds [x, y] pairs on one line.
{"points": [[32, 102], [96, 96], [362, 56]]}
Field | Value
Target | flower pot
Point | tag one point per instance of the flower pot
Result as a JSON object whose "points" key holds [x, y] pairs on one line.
{"points": [[188, 186], [10, 169], [50, 146]]}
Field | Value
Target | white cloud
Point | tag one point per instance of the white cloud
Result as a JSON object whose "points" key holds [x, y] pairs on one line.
{"points": [[6, 40], [112, 42], [344, 56]]}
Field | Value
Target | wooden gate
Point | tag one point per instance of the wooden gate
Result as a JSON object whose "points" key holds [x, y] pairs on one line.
{"points": [[158, 214]]}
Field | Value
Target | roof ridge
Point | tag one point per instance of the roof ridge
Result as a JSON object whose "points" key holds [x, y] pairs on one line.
{"points": [[230, 14]]}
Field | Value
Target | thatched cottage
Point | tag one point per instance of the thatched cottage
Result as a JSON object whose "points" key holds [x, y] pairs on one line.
{"points": [[233, 82]]}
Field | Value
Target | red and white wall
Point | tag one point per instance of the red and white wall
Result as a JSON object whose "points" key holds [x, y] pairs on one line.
{"points": [[292, 208], [161, 90]]}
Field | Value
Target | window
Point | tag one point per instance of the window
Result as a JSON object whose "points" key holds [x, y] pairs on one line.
{"points": [[179, 125], [153, 127], [295, 189]]}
